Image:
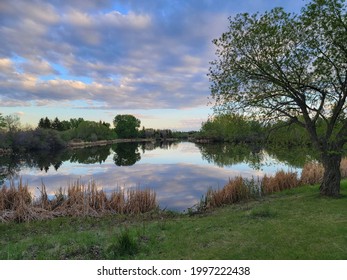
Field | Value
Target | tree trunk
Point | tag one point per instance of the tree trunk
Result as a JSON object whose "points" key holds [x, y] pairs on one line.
{"points": [[332, 176]]}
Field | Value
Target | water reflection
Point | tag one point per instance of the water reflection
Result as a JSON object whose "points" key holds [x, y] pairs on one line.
{"points": [[126, 154], [180, 173]]}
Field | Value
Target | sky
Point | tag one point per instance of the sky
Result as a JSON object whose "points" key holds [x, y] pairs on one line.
{"points": [[100, 58]]}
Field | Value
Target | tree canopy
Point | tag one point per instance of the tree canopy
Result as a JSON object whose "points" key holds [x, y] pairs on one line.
{"points": [[2, 121], [126, 126], [291, 67]]}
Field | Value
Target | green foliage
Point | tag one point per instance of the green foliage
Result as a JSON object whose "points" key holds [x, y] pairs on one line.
{"points": [[90, 131], [155, 133], [45, 123], [232, 128], [2, 121], [75, 122], [287, 135], [282, 66], [126, 126], [56, 124], [38, 139]]}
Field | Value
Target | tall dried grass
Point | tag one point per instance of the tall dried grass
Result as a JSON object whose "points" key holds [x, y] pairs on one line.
{"points": [[239, 189], [236, 190], [17, 203], [281, 181], [140, 201], [312, 172]]}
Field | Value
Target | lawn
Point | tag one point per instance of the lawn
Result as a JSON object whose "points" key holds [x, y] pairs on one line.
{"points": [[292, 224]]}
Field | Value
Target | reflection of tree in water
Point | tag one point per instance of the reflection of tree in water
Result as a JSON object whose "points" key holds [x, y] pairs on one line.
{"points": [[295, 156], [90, 155], [226, 154], [9, 167], [149, 146], [126, 154]]}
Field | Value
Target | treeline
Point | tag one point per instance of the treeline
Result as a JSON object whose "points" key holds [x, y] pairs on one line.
{"points": [[236, 128], [79, 129], [54, 134]]}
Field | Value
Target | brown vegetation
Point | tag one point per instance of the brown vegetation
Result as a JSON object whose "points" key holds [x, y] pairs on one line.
{"points": [[312, 172], [235, 191], [240, 189], [17, 203], [279, 182]]}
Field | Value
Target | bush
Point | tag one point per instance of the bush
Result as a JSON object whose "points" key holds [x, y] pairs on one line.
{"points": [[89, 131], [37, 140], [232, 128]]}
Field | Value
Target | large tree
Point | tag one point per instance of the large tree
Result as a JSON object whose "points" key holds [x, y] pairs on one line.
{"points": [[292, 67], [126, 126]]}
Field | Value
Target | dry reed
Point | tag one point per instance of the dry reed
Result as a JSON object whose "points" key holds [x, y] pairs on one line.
{"points": [[281, 181], [312, 172], [239, 189], [17, 203], [140, 201], [236, 190]]}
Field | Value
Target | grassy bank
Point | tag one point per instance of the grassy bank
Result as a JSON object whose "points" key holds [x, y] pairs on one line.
{"points": [[292, 224]]}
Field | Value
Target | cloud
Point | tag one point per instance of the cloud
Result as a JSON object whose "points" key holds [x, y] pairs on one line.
{"points": [[147, 58], [133, 55]]}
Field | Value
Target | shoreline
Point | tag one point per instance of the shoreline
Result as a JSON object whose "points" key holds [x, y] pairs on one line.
{"points": [[83, 144]]}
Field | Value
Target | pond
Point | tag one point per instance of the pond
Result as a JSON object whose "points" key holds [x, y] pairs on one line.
{"points": [[180, 173]]}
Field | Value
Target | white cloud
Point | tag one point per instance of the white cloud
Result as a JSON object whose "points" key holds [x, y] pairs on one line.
{"points": [[152, 54]]}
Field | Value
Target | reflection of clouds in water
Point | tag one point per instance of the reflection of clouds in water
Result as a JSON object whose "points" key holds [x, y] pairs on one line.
{"points": [[178, 174], [178, 186]]}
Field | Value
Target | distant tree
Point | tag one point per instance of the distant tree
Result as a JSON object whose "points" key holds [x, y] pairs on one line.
{"points": [[41, 123], [12, 123], [126, 126], [47, 123], [2, 121], [290, 67], [65, 125], [108, 125], [57, 125], [76, 122], [231, 127]]}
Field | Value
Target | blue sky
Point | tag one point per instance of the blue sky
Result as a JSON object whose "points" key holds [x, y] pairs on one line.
{"points": [[97, 59]]}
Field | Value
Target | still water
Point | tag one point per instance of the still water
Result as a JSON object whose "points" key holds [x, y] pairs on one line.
{"points": [[179, 173]]}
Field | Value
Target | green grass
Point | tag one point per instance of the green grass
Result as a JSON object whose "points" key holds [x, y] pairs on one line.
{"points": [[293, 224]]}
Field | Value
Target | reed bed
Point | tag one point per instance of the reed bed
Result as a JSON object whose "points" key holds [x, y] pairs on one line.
{"points": [[240, 189], [312, 172], [279, 182], [17, 203], [237, 189]]}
